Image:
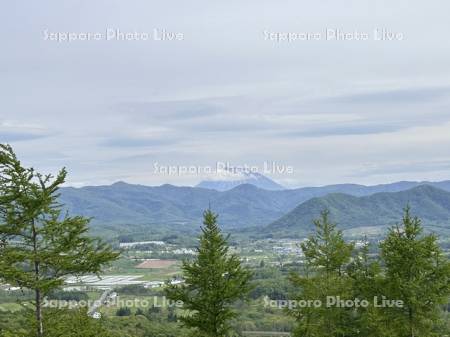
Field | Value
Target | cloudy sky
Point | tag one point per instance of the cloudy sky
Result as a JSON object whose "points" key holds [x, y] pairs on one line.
{"points": [[363, 108]]}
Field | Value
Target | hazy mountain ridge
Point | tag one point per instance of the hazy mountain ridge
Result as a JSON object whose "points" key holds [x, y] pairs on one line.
{"points": [[244, 205]]}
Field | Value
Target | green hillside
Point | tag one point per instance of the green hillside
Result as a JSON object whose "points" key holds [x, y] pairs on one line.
{"points": [[381, 209]]}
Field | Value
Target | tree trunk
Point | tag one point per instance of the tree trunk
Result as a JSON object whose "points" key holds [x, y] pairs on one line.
{"points": [[40, 326]]}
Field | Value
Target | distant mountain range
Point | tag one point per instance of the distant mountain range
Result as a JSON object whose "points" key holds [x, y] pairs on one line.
{"points": [[242, 206], [228, 179], [430, 204]]}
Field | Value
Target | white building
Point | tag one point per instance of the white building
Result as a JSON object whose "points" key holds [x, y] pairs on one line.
{"points": [[96, 315], [153, 284], [140, 243]]}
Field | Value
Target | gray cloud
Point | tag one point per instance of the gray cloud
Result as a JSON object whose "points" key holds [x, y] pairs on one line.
{"points": [[169, 110], [137, 142], [288, 117], [17, 136], [11, 132], [343, 130], [398, 96], [410, 166]]}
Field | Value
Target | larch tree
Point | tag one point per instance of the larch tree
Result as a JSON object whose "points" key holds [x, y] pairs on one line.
{"points": [[214, 281], [327, 256], [39, 243], [417, 273], [368, 283]]}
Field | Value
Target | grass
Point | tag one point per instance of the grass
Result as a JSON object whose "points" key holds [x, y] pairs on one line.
{"points": [[12, 307]]}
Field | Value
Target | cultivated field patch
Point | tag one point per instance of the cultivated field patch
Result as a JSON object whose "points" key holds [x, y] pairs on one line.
{"points": [[154, 264]]}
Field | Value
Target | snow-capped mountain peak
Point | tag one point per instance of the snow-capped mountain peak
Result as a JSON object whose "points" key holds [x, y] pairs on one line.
{"points": [[226, 179]]}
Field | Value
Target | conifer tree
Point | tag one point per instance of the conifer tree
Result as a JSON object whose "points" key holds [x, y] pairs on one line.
{"points": [[417, 273], [40, 244], [326, 258], [214, 281], [368, 282]]}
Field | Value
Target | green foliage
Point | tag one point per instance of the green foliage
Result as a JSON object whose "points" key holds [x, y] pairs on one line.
{"points": [[123, 311], [39, 245], [141, 326], [368, 282], [417, 273], [58, 323], [74, 323], [139, 312], [326, 257], [213, 282], [411, 268], [326, 251], [68, 296]]}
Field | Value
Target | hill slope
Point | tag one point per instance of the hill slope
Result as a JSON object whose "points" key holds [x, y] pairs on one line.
{"points": [[432, 205]]}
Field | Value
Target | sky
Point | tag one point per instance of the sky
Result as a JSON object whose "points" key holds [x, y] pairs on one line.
{"points": [[196, 85]]}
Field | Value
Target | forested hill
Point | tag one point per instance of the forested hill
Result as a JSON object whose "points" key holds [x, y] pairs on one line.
{"points": [[431, 204]]}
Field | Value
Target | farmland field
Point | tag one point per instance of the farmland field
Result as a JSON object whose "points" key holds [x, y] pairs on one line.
{"points": [[155, 264]]}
